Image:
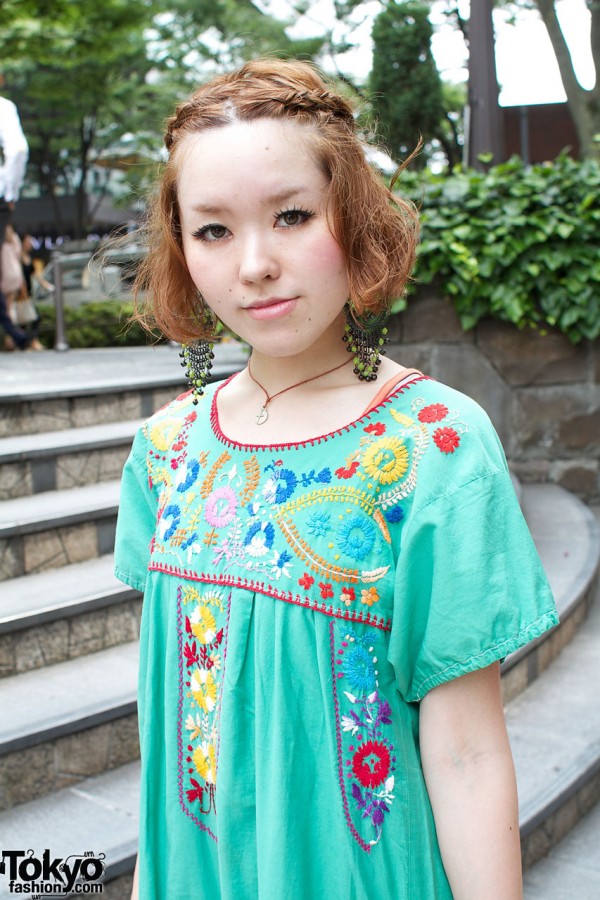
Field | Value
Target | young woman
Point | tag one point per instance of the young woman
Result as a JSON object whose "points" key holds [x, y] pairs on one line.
{"points": [[333, 566]]}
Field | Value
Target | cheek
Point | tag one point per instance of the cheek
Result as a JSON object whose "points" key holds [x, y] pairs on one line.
{"points": [[327, 257]]}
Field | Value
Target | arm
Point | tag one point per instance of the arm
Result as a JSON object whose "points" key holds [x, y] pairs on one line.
{"points": [[470, 777], [135, 887]]}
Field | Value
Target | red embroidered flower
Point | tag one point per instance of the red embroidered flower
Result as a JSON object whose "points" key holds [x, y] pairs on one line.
{"points": [[348, 595], [196, 792], [326, 590], [371, 764], [447, 439], [375, 428], [348, 472], [435, 412], [306, 581]]}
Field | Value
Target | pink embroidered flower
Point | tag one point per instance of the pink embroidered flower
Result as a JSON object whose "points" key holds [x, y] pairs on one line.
{"points": [[446, 439], [348, 595], [435, 412], [348, 472], [326, 590], [369, 596], [220, 507], [371, 764], [196, 792], [306, 581], [375, 428]]}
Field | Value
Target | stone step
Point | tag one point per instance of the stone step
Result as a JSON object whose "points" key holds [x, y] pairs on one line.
{"points": [[42, 392], [567, 538], [571, 871], [554, 728], [59, 460], [99, 815], [56, 528], [65, 613], [65, 722]]}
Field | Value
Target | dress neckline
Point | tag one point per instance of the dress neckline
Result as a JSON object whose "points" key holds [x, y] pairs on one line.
{"points": [[398, 384]]}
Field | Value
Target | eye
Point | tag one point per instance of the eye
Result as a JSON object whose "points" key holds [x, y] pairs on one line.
{"points": [[290, 218], [210, 233]]}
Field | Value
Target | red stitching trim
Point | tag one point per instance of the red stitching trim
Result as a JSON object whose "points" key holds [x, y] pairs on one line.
{"points": [[261, 588], [216, 427], [338, 739]]}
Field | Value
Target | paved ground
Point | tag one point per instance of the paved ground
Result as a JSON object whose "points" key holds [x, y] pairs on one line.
{"points": [[23, 375]]}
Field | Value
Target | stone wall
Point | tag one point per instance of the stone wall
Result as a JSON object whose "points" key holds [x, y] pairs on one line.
{"points": [[541, 391]]}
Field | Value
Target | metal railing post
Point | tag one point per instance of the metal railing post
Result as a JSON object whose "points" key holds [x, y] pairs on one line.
{"points": [[60, 340]]}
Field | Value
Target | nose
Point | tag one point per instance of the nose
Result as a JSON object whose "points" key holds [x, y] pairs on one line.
{"points": [[258, 259]]}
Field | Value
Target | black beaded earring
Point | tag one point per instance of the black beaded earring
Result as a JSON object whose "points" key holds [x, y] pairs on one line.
{"points": [[366, 337], [196, 358]]}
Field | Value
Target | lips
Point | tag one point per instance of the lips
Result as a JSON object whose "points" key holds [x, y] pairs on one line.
{"points": [[271, 307]]}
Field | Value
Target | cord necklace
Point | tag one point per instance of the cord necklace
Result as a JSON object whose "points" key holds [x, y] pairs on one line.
{"points": [[263, 414]]}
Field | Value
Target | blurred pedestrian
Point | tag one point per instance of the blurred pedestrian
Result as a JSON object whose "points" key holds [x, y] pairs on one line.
{"points": [[12, 172]]}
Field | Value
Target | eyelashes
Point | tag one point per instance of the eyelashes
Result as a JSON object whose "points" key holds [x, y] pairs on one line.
{"points": [[285, 218]]}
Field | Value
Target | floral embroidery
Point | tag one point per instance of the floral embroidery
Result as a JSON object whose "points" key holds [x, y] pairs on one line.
{"points": [[395, 514], [375, 428], [318, 524], [386, 460], [435, 412], [447, 439], [202, 649], [326, 590], [220, 507], [356, 536], [369, 596], [306, 581], [349, 471], [348, 595], [366, 755]]}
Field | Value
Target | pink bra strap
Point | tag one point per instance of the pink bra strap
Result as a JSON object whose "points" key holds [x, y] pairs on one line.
{"points": [[386, 389]]}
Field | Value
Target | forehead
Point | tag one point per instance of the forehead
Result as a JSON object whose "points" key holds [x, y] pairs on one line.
{"points": [[268, 148]]}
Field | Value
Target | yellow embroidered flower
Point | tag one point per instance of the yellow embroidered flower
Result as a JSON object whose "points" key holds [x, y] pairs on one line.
{"points": [[204, 689], [369, 596], [205, 760], [203, 624], [386, 460]]}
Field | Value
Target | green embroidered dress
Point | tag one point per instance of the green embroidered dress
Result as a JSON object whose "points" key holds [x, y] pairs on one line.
{"points": [[300, 600]]}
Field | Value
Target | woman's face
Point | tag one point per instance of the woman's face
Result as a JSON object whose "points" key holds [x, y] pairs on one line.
{"points": [[252, 204]]}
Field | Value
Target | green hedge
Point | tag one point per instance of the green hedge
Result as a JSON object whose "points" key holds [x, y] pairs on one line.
{"points": [[103, 323], [517, 243]]}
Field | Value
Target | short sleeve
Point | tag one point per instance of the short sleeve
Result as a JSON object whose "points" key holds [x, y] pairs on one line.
{"points": [[470, 587], [136, 521]]}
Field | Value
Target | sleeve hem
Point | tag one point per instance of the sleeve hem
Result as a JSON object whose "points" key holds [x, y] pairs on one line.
{"points": [[131, 579], [492, 654]]}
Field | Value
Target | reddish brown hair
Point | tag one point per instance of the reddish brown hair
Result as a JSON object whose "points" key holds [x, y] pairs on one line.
{"points": [[377, 231]]}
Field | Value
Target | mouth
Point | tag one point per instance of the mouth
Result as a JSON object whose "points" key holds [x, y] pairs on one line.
{"points": [[271, 307]]}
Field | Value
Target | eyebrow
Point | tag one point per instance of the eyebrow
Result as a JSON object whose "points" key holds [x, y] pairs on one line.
{"points": [[276, 198]]}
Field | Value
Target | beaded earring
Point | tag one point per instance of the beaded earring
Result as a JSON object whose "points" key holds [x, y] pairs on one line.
{"points": [[197, 357], [366, 337]]}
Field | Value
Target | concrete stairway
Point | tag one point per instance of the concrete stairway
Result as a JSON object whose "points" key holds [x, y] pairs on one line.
{"points": [[68, 629]]}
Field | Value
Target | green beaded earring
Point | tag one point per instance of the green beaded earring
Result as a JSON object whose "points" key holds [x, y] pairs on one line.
{"points": [[196, 358], [366, 337]]}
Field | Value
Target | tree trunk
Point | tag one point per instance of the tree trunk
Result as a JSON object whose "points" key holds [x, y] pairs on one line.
{"points": [[584, 105]]}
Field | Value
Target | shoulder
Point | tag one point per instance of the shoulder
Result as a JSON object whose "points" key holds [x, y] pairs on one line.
{"points": [[449, 436], [162, 430]]}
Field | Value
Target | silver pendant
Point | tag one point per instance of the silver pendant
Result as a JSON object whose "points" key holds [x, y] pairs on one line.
{"points": [[262, 416]]}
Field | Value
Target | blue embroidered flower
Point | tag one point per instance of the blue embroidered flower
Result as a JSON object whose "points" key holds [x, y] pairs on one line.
{"points": [[356, 536], [395, 514], [190, 473], [359, 669], [280, 486], [281, 564], [324, 476], [170, 512], [318, 524], [259, 538]]}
